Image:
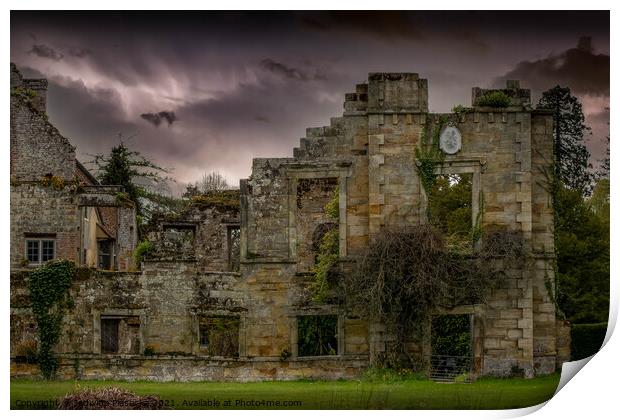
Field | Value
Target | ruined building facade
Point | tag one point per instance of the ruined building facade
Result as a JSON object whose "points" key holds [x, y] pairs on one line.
{"points": [[58, 209], [224, 294]]}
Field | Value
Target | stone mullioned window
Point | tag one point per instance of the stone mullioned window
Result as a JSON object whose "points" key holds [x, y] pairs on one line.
{"points": [[40, 249]]}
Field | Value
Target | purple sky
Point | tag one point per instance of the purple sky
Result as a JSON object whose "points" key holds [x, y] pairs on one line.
{"points": [[205, 91]]}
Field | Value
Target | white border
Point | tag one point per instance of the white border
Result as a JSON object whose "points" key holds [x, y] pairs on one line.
{"points": [[593, 394]]}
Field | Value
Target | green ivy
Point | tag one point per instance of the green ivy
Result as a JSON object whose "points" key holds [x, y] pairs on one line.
{"points": [[428, 154], [460, 110], [332, 209], [49, 293], [326, 260], [329, 251], [143, 250]]}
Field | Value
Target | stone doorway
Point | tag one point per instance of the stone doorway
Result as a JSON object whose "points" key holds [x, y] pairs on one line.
{"points": [[451, 348]]}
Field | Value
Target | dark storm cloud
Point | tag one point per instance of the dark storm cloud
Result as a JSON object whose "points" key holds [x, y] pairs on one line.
{"points": [[285, 71], [245, 109], [157, 118], [382, 24], [247, 84], [45, 51], [98, 109], [79, 52], [580, 68]]}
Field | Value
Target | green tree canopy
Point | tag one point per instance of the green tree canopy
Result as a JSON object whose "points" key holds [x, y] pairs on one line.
{"points": [[582, 247], [130, 169], [571, 155], [450, 206]]}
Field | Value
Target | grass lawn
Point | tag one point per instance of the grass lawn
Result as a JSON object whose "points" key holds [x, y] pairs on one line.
{"points": [[405, 394]]}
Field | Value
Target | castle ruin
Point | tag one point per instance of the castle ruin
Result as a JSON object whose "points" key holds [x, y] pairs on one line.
{"points": [[224, 294]]}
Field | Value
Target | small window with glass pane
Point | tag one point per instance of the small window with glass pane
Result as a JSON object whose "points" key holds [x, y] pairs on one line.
{"points": [[40, 250], [32, 251]]}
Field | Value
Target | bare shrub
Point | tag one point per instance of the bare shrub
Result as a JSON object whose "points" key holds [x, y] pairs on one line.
{"points": [[110, 398], [408, 273]]}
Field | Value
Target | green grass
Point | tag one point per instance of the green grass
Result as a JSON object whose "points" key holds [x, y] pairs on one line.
{"points": [[485, 393]]}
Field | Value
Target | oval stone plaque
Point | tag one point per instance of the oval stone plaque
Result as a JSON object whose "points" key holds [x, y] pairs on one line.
{"points": [[450, 140]]}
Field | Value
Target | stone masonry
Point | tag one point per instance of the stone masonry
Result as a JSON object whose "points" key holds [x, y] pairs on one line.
{"points": [[367, 155]]}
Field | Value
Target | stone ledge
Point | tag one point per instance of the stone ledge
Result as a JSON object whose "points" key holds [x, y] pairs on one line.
{"points": [[197, 368]]}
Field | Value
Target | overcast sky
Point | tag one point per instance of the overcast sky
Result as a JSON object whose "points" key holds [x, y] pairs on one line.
{"points": [[206, 91]]}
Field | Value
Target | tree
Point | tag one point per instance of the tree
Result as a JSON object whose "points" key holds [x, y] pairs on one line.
{"points": [[605, 167], [213, 181], [571, 155], [449, 202], [130, 169], [582, 248], [210, 182]]}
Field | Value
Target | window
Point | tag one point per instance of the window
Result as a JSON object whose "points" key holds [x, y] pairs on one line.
{"points": [[317, 335], [234, 247], [204, 336], [219, 335], [104, 257], [450, 203], [39, 250], [450, 208], [109, 335]]}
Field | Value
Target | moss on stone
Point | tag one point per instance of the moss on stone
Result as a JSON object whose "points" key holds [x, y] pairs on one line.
{"points": [[227, 200]]}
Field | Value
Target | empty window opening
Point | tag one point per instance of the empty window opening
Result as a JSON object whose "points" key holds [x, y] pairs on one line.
{"points": [[450, 206], [40, 250], [234, 247], [317, 335], [219, 335], [317, 198], [313, 193], [179, 240]]}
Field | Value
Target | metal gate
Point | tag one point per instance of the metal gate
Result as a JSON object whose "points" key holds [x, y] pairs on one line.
{"points": [[445, 368]]}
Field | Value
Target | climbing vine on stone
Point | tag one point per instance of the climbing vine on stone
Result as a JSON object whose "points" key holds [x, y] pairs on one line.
{"points": [[49, 293], [428, 154], [328, 253]]}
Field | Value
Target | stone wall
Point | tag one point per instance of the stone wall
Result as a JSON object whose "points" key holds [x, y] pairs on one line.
{"points": [[37, 147], [42, 210], [126, 237], [186, 369], [202, 233], [265, 209]]}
